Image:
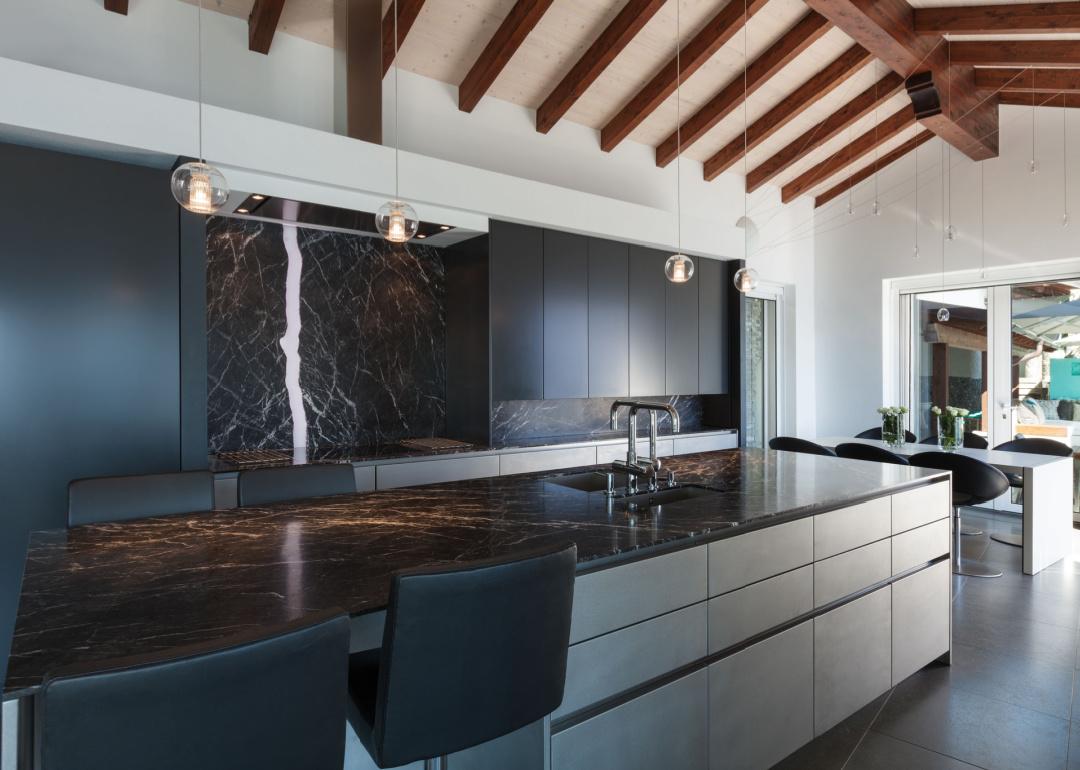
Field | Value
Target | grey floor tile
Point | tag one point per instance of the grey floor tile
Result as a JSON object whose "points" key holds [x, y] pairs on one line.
{"points": [[880, 752], [831, 750], [927, 711], [1005, 600], [1016, 636], [1022, 681]]}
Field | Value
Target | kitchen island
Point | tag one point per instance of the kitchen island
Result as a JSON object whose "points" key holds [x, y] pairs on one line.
{"points": [[722, 629]]}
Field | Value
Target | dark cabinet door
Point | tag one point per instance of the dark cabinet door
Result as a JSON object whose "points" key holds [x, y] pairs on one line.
{"points": [[566, 315], [713, 327], [648, 301], [517, 312], [682, 336], [609, 318]]}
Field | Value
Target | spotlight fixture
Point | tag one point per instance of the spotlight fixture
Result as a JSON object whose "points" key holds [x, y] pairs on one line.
{"points": [[241, 211], [258, 197], [444, 227]]}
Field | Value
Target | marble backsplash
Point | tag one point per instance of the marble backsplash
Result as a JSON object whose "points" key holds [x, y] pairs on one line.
{"points": [[321, 338], [513, 421]]}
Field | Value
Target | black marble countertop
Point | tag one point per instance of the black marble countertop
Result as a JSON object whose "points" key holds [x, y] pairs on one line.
{"points": [[104, 591]]}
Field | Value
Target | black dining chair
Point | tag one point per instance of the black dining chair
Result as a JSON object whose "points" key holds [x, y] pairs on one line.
{"points": [[875, 435], [792, 444], [469, 654], [1035, 446], [275, 703], [971, 441], [973, 482], [871, 452], [122, 498], [262, 486]]}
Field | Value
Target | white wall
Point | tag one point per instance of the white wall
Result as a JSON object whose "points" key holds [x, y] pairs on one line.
{"points": [[854, 253]]}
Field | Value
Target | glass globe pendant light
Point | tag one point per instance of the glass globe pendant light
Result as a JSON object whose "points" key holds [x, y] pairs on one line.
{"points": [[678, 268], [396, 220], [197, 186], [746, 279]]}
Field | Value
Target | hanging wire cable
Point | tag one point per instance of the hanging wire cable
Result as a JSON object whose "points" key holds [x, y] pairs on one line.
{"points": [[915, 155], [877, 203], [950, 231], [1064, 160], [198, 76], [1033, 166], [982, 220]]}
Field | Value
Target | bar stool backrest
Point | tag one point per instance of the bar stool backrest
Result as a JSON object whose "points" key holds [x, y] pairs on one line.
{"points": [[856, 451], [122, 498], [875, 434], [1037, 446], [973, 481], [792, 444]]}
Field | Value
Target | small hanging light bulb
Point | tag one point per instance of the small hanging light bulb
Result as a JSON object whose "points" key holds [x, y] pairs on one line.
{"points": [[1033, 166], [943, 314], [679, 268], [877, 208], [396, 221], [746, 279], [950, 233]]}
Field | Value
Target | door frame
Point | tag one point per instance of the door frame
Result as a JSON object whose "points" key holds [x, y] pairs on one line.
{"points": [[781, 398]]}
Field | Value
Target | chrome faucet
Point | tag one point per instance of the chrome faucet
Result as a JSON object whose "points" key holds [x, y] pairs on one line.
{"points": [[635, 467]]}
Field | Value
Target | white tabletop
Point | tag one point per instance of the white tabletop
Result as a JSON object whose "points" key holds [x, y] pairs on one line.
{"points": [[995, 457]]}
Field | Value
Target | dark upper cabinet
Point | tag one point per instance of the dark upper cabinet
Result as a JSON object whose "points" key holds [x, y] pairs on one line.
{"points": [[713, 345], [517, 312], [609, 332], [681, 332], [566, 315], [648, 322]]}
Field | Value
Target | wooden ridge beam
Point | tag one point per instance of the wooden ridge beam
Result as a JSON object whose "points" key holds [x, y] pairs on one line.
{"points": [[407, 12], [824, 82], [117, 6], [1041, 100], [1017, 53], [615, 37], [868, 171], [262, 24], [886, 28], [990, 19], [806, 31], [856, 109], [517, 25], [710, 39], [848, 154], [1047, 80]]}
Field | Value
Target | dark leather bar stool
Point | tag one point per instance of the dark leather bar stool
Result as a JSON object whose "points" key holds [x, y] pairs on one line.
{"points": [[971, 441], [875, 434], [1035, 446], [973, 482], [122, 498], [792, 444], [275, 703], [469, 654], [871, 452], [261, 486]]}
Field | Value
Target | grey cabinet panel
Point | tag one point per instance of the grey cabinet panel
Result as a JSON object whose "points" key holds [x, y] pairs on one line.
{"points": [[713, 327], [744, 559], [648, 322], [920, 625], [610, 664], [852, 657], [517, 312], [921, 505], [665, 728], [609, 319], [681, 333], [365, 477], [852, 571], [393, 475], [738, 615], [692, 444], [522, 750], [566, 315], [761, 701], [919, 546], [546, 460], [846, 528]]}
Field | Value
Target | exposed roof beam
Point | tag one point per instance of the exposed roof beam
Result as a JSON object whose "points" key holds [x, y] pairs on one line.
{"points": [[1017, 53], [719, 29], [262, 24], [117, 6], [886, 28], [622, 29], [496, 55], [868, 171], [845, 156], [1041, 100], [407, 12], [1043, 81], [806, 31], [835, 73], [991, 19], [862, 105]]}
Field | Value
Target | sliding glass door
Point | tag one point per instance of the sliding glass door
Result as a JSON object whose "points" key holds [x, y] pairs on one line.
{"points": [[760, 371]]}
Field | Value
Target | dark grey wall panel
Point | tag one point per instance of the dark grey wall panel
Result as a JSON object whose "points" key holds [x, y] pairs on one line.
{"points": [[648, 321], [566, 315], [682, 336], [517, 312], [193, 425], [609, 318], [468, 380], [713, 328]]}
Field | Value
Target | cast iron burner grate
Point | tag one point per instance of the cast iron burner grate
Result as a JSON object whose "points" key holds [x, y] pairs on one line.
{"points": [[433, 444], [257, 457]]}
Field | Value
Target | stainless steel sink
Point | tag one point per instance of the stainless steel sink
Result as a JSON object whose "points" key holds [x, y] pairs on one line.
{"points": [[666, 497]]}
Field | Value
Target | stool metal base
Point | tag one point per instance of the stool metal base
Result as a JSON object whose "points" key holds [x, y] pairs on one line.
{"points": [[1014, 540], [969, 532], [966, 567]]}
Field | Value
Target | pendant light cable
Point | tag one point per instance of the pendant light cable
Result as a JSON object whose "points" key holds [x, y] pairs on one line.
{"points": [[678, 126], [397, 138], [1034, 165], [199, 76], [746, 195], [982, 220], [1065, 161], [915, 156]]}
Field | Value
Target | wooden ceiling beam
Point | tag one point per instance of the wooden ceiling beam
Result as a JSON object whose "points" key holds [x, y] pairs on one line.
{"points": [[1017, 53], [1047, 80], [865, 173], [517, 25], [887, 129], [117, 6], [615, 37], [710, 39], [999, 19], [806, 31], [262, 24], [407, 11], [856, 109], [886, 28], [1041, 100], [824, 82]]}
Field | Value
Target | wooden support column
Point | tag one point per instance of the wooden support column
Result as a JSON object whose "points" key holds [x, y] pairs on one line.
{"points": [[939, 374], [117, 6], [358, 69]]}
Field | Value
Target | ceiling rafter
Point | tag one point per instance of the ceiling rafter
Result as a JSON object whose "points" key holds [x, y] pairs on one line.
{"points": [[824, 82], [407, 11], [1041, 100], [868, 171], [710, 39], [1047, 80], [517, 25], [262, 24], [809, 29], [1017, 53], [991, 19], [117, 6]]}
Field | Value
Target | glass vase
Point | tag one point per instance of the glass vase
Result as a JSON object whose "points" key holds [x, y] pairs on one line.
{"points": [[950, 432], [892, 429]]}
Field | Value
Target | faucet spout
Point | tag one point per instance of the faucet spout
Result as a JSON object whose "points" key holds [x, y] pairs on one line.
{"points": [[615, 411]]}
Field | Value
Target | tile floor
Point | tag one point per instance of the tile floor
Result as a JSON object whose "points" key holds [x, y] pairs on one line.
{"points": [[1008, 700]]}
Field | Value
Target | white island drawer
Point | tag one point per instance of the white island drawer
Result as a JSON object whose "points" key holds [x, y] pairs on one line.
{"points": [[921, 505], [847, 528], [849, 572], [738, 615], [919, 546], [744, 559]]}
